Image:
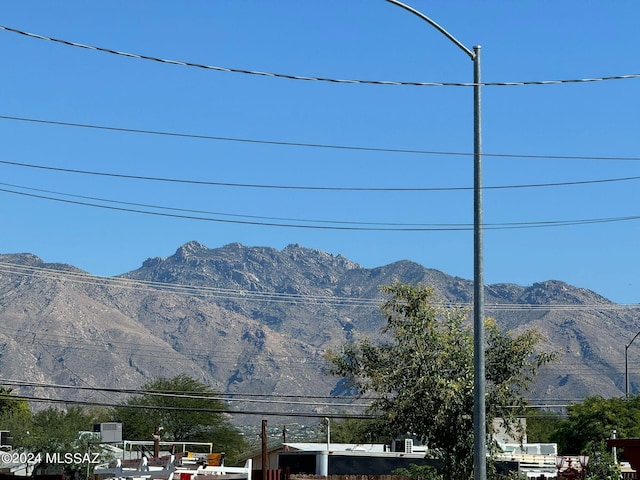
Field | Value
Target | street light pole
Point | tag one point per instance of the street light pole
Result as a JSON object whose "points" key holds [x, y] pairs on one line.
{"points": [[479, 387], [479, 383], [626, 366]]}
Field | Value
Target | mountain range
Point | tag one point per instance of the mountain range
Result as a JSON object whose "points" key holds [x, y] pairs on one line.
{"points": [[256, 322]]}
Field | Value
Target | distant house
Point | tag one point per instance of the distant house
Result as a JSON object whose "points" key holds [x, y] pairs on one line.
{"points": [[379, 459], [340, 458]]}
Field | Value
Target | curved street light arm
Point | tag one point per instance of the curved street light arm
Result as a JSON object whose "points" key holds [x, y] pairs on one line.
{"points": [[626, 365], [471, 54], [629, 344], [479, 380]]}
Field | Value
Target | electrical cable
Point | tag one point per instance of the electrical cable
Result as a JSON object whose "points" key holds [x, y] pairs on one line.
{"points": [[452, 227], [191, 290], [533, 402], [272, 413], [307, 220], [81, 379], [291, 362], [175, 393], [181, 395], [238, 294], [309, 78], [146, 205], [314, 188], [317, 145], [537, 405]]}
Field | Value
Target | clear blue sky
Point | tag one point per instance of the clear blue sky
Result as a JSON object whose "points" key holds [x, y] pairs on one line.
{"points": [[369, 40]]}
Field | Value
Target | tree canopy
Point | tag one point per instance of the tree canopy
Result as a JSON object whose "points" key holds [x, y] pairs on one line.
{"points": [[591, 422], [54, 431], [421, 376], [183, 409], [10, 405]]}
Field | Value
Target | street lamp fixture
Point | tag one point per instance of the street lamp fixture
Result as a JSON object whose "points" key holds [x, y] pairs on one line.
{"points": [[560, 463], [584, 461], [479, 386]]}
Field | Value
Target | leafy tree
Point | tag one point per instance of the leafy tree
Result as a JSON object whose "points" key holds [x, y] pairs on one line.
{"points": [[54, 433], [422, 375], [184, 409], [18, 424], [602, 465], [15, 415], [542, 426], [352, 430], [10, 405], [592, 421], [419, 472]]}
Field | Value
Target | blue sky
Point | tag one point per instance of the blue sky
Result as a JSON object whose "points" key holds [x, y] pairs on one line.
{"points": [[367, 40]]}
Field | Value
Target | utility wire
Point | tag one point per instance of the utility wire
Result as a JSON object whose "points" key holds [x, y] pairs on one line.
{"points": [[534, 405], [290, 362], [185, 409], [181, 395], [70, 342], [308, 78], [180, 289], [244, 216], [534, 402], [238, 294], [312, 188], [66, 367], [451, 227], [315, 145], [223, 214]]}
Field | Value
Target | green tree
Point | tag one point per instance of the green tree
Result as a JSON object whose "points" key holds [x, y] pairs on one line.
{"points": [[542, 426], [185, 410], [54, 433], [422, 375], [419, 472], [592, 421], [10, 405], [15, 416], [350, 430], [602, 465]]}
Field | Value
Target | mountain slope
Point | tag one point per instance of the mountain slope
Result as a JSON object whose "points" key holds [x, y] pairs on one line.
{"points": [[258, 320]]}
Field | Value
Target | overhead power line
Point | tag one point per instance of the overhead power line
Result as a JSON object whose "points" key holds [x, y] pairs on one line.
{"points": [[314, 188], [231, 294], [206, 212], [183, 395], [181, 289], [311, 78], [273, 413], [176, 393], [263, 223], [337, 226], [533, 403], [313, 145]]}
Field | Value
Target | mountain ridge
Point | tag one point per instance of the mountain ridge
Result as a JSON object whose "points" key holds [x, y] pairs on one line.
{"points": [[259, 320]]}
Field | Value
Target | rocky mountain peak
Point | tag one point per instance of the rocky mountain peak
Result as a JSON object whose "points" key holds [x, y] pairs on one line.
{"points": [[190, 249], [260, 318], [556, 292]]}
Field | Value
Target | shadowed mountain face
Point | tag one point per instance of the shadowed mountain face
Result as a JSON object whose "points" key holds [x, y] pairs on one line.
{"points": [[257, 320]]}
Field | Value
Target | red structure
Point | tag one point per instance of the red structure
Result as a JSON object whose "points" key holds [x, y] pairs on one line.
{"points": [[630, 450]]}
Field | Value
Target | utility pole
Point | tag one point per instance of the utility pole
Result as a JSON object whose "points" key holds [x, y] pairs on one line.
{"points": [[265, 457], [156, 441], [479, 371]]}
